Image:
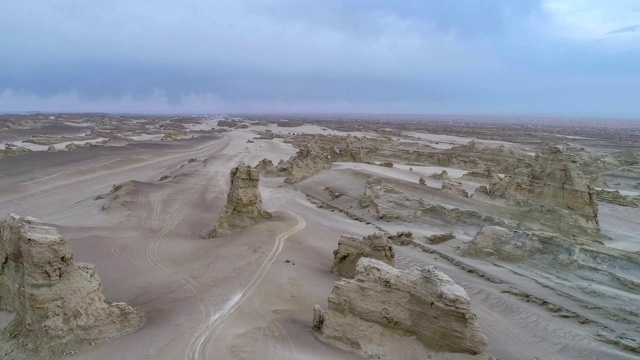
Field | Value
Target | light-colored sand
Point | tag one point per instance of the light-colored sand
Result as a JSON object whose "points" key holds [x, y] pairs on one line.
{"points": [[235, 297]]}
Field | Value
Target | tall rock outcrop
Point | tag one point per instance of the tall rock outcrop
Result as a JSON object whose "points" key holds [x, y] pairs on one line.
{"points": [[244, 203], [555, 190], [386, 313], [58, 304], [352, 248]]}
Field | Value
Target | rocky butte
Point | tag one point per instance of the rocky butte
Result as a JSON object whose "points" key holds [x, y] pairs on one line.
{"points": [[554, 190], [58, 304], [352, 248], [386, 313], [244, 203]]}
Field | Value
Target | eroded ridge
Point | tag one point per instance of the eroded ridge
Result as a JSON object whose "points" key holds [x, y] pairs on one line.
{"points": [[59, 304], [386, 313]]}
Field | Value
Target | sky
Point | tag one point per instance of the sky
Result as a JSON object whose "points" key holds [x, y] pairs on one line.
{"points": [[487, 57]]}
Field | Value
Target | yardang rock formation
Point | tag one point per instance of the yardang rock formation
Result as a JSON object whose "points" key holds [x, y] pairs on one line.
{"points": [[554, 190], [244, 203], [352, 248], [386, 313], [58, 304]]}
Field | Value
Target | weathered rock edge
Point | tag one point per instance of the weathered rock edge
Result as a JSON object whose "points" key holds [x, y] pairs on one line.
{"points": [[351, 248], [244, 202], [386, 313], [58, 304]]}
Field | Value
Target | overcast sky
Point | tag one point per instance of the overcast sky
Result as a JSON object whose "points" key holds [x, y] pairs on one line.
{"points": [[533, 57]]}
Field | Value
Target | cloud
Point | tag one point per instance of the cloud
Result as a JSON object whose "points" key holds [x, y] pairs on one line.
{"points": [[625, 29], [291, 55], [594, 20]]}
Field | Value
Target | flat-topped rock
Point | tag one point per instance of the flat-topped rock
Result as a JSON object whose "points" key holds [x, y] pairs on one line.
{"points": [[386, 313], [352, 248]]}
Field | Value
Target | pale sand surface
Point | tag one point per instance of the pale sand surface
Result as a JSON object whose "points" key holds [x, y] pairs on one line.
{"points": [[235, 297]]}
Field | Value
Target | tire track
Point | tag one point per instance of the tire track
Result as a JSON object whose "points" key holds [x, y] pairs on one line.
{"points": [[198, 348]]}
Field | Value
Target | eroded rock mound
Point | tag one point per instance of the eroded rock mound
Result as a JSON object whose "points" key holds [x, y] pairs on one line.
{"points": [[615, 197], [440, 238], [244, 203], [597, 182], [266, 167], [454, 187], [316, 156], [495, 241], [58, 304], [12, 149], [443, 175], [487, 173], [505, 159], [352, 248], [555, 191], [404, 237], [386, 313]]}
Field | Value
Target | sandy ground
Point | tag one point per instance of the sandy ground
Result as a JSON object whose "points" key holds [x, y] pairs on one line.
{"points": [[250, 295]]}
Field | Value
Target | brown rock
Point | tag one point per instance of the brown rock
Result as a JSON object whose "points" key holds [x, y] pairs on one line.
{"points": [[614, 197], [266, 167], [495, 241], [352, 248], [443, 175], [555, 190], [402, 237], [487, 173], [244, 203], [315, 157], [386, 313], [596, 182], [440, 238], [58, 304], [454, 187]]}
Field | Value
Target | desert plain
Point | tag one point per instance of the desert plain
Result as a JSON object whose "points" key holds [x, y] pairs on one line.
{"points": [[536, 219]]}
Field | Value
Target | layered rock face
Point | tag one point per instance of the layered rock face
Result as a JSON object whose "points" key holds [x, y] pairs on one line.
{"points": [[244, 203], [615, 197], [58, 304], [596, 182], [495, 241], [506, 159], [352, 248], [402, 237], [315, 157], [555, 190], [487, 173], [454, 187], [386, 313], [266, 167]]}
